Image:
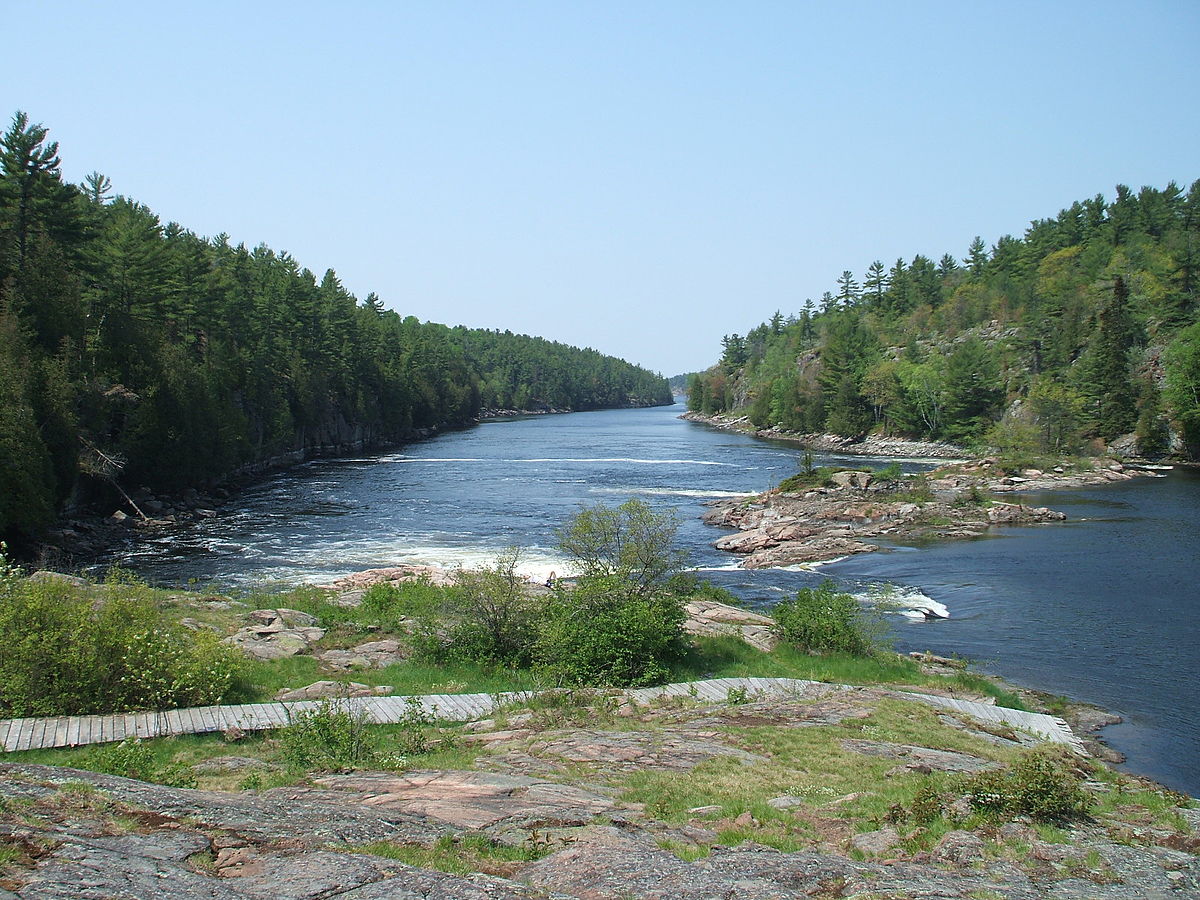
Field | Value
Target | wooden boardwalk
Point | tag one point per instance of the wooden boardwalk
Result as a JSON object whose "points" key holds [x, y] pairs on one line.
{"points": [[72, 731]]}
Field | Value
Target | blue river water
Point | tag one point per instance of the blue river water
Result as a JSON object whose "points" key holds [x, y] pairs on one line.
{"points": [[1102, 608]]}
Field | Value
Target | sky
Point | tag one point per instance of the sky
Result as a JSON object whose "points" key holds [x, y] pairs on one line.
{"points": [[637, 177]]}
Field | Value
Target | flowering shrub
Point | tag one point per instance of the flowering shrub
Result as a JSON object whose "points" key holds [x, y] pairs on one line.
{"points": [[69, 650]]}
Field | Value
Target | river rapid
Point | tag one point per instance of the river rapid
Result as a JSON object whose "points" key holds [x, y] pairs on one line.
{"points": [[1102, 608]]}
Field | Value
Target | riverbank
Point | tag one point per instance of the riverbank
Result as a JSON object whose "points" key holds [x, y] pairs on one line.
{"points": [[872, 445], [756, 785]]}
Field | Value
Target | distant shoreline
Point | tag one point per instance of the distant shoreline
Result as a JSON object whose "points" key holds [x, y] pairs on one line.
{"points": [[834, 443]]}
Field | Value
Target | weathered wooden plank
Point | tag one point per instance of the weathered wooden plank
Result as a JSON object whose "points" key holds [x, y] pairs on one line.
{"points": [[458, 708], [15, 735], [711, 691], [59, 737], [80, 732], [204, 719]]}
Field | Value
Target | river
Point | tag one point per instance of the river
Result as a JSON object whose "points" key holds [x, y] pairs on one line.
{"points": [[1102, 608]]}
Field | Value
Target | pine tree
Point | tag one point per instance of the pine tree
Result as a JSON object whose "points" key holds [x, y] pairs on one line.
{"points": [[1105, 378], [847, 294]]}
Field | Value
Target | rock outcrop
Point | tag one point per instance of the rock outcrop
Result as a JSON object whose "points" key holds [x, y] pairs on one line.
{"points": [[276, 633], [708, 617], [552, 797], [828, 522]]}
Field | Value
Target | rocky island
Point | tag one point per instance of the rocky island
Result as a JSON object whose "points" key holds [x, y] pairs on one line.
{"points": [[827, 514]]}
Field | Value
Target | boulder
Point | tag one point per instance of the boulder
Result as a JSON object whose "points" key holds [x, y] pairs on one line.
{"points": [[45, 575], [276, 633], [858, 480], [963, 847], [747, 541], [371, 655], [875, 843], [708, 617]]}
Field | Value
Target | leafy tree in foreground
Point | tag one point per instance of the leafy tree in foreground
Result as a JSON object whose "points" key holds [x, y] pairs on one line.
{"points": [[630, 544], [622, 623]]}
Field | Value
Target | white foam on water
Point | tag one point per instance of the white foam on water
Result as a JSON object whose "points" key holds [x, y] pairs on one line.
{"points": [[627, 459], [732, 567], [437, 459], [811, 566], [1154, 467], [668, 492], [904, 600], [401, 458]]}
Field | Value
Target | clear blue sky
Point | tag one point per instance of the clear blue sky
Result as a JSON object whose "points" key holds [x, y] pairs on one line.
{"points": [[639, 177]]}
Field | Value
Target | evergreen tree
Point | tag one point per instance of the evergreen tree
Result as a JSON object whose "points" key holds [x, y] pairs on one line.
{"points": [[876, 283], [977, 257], [973, 392], [847, 289], [1105, 376]]}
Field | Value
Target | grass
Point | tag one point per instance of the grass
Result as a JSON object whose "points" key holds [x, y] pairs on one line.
{"points": [[408, 677], [812, 764], [459, 855], [726, 656]]}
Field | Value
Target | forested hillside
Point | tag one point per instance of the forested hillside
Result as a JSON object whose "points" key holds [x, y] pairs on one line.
{"points": [[1085, 328], [138, 353]]}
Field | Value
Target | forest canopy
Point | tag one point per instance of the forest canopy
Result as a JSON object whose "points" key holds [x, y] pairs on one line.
{"points": [[1083, 330], [135, 351]]}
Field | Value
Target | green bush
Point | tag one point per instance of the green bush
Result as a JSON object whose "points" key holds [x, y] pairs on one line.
{"points": [[824, 620], [131, 758], [71, 650], [1043, 785], [384, 604], [631, 543], [329, 738], [601, 633], [492, 615], [807, 480], [890, 472]]}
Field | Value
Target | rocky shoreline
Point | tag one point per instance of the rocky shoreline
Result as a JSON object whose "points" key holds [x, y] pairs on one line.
{"points": [[837, 517], [872, 445]]}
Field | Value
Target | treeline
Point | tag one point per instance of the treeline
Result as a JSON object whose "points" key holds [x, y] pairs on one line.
{"points": [[1085, 328], [139, 353]]}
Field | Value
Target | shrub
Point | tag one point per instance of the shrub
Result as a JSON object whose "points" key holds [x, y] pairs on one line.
{"points": [[824, 620], [601, 633], [1042, 784], [890, 472], [69, 650], [493, 615], [329, 738], [808, 479], [631, 543], [689, 585], [131, 758]]}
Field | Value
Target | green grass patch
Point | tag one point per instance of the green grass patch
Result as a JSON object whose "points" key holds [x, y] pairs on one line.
{"points": [[459, 855], [809, 763]]}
